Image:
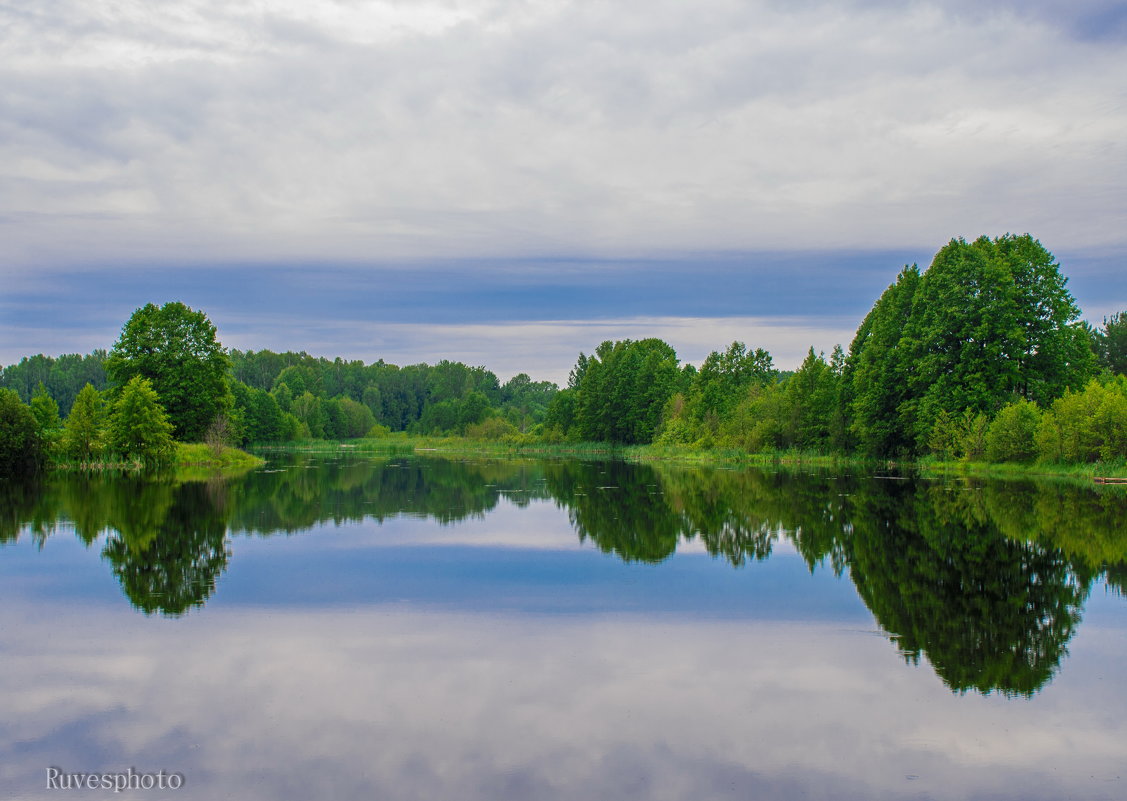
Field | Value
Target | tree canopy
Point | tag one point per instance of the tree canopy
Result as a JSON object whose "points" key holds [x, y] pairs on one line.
{"points": [[176, 349], [989, 322]]}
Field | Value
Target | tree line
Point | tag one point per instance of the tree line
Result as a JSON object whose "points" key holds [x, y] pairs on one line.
{"points": [[169, 379], [981, 356]]}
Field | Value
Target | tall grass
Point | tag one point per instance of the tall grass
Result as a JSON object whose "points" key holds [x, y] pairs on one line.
{"points": [[401, 443], [183, 455]]}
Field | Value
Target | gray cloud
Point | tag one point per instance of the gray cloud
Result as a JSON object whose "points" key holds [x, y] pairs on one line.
{"points": [[204, 131]]}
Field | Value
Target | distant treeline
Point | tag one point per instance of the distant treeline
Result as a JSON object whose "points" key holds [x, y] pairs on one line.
{"points": [[63, 377], [340, 399], [980, 357]]}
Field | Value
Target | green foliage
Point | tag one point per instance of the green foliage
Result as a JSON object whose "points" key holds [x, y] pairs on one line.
{"points": [[310, 412], [989, 320], [354, 419], [723, 380], [492, 428], [299, 379], [813, 399], [84, 434], [707, 398], [378, 432], [46, 413], [400, 398], [139, 427], [948, 436], [877, 370], [976, 427], [260, 416], [63, 376], [1111, 343], [1010, 437], [622, 389], [176, 349], [22, 448], [1086, 426]]}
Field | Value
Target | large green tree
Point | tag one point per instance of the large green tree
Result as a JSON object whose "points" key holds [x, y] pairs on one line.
{"points": [[991, 321], [176, 349]]}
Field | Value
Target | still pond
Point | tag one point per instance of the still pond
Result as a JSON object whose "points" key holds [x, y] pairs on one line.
{"points": [[420, 627]]}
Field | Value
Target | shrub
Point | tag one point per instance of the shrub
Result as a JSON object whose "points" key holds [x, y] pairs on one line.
{"points": [[1011, 436]]}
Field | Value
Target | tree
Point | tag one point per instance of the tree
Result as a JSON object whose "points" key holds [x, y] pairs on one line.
{"points": [[723, 381], [1112, 343], [21, 446], [622, 389], [176, 349], [46, 413], [990, 321], [876, 371], [812, 397], [84, 434], [139, 427]]}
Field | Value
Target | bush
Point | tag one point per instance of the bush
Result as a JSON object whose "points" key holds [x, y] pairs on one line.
{"points": [[492, 428], [1011, 436], [1086, 426]]}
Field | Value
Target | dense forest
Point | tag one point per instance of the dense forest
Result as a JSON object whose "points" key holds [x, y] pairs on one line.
{"points": [[983, 356]]}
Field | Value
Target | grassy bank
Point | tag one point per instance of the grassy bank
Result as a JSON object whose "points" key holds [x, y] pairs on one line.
{"points": [[194, 457], [404, 444], [1088, 471]]}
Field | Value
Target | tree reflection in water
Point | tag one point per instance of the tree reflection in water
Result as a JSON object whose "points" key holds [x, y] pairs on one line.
{"points": [[986, 580]]}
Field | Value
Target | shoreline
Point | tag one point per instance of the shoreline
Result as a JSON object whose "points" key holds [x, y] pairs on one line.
{"points": [[1099, 473]]}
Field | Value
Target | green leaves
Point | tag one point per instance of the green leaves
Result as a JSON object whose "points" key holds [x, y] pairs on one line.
{"points": [[139, 427], [989, 322], [84, 434], [21, 444], [622, 389], [176, 349]]}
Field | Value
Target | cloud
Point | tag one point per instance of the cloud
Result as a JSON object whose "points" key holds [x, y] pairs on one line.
{"points": [[208, 132], [392, 701]]}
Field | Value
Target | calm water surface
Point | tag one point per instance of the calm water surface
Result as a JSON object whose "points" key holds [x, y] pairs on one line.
{"points": [[424, 628]]}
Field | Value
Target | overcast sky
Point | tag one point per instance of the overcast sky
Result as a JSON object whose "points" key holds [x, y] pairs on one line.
{"points": [[509, 182]]}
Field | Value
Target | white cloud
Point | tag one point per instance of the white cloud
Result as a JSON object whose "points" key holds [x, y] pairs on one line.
{"points": [[203, 131]]}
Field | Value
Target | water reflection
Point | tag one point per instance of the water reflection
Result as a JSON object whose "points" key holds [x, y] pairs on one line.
{"points": [[986, 580]]}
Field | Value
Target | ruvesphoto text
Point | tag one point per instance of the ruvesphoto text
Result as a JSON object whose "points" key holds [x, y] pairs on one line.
{"points": [[57, 779]]}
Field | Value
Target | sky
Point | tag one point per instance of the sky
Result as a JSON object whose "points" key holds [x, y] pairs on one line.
{"points": [[510, 182]]}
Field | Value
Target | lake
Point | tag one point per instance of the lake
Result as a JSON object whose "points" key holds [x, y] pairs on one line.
{"points": [[419, 627]]}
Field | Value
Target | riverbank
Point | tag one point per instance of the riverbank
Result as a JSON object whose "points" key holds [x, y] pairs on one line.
{"points": [[188, 456], [402, 443]]}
